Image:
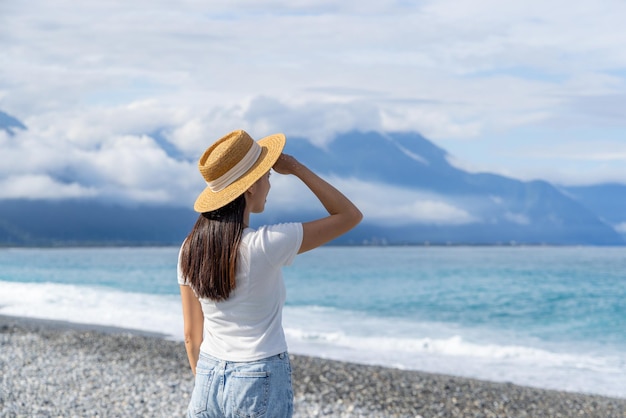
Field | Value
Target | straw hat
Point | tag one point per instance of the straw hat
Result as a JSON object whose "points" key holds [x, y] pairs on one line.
{"points": [[234, 163]]}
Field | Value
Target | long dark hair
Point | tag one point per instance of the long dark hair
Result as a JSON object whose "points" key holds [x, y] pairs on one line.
{"points": [[209, 254]]}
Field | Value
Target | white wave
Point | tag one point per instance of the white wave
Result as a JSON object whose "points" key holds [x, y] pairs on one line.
{"points": [[93, 305], [439, 348], [344, 335]]}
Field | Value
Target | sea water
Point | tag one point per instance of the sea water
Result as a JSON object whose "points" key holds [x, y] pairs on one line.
{"points": [[549, 317]]}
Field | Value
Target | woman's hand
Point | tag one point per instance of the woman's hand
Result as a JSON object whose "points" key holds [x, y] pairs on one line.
{"points": [[286, 164]]}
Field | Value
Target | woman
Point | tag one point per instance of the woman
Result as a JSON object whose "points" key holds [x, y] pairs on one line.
{"points": [[230, 277]]}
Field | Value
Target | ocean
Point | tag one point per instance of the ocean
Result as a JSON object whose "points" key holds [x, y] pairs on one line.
{"points": [[549, 317]]}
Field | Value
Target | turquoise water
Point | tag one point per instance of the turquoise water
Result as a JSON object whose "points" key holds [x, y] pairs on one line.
{"points": [[541, 316], [560, 294]]}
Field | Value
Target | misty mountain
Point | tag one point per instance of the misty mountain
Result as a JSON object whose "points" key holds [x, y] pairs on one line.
{"points": [[505, 210], [471, 208], [608, 201], [89, 222]]}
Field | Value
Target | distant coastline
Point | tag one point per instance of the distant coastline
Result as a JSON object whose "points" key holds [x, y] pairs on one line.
{"points": [[122, 244]]}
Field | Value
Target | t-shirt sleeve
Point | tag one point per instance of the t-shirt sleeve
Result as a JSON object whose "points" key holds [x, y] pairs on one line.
{"points": [[281, 242]]}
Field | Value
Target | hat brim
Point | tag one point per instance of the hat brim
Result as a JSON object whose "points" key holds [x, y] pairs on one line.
{"points": [[271, 148]]}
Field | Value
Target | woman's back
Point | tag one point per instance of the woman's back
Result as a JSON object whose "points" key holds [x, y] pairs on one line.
{"points": [[248, 325]]}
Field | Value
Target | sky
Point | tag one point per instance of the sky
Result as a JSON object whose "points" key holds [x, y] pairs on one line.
{"points": [[531, 90]]}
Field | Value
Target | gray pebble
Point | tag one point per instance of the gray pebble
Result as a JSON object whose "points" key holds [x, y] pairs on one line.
{"points": [[53, 369]]}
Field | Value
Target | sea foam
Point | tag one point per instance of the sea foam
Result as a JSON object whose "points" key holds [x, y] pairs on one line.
{"points": [[343, 335], [93, 305]]}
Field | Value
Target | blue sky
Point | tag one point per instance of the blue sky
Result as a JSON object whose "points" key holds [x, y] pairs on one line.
{"points": [[529, 89]]}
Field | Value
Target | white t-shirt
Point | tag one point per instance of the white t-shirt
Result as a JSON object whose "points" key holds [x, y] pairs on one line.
{"points": [[248, 325]]}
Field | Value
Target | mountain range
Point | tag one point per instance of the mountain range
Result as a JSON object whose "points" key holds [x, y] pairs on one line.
{"points": [[479, 208]]}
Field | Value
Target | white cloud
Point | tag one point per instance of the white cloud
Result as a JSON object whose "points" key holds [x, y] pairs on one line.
{"points": [[125, 168], [518, 218], [39, 186], [91, 79], [621, 228], [390, 205], [315, 121], [380, 203], [135, 168], [462, 164], [194, 135]]}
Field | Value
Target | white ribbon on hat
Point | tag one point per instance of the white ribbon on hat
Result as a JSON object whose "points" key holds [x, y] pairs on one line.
{"points": [[237, 170]]}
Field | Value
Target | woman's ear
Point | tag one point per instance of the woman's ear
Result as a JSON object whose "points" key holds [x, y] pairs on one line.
{"points": [[252, 189]]}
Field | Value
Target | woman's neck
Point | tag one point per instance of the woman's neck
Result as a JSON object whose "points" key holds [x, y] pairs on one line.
{"points": [[246, 218]]}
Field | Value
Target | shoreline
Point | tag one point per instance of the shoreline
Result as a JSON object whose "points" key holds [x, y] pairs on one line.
{"points": [[51, 368], [96, 245]]}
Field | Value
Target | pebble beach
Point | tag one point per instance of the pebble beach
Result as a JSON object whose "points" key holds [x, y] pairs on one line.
{"points": [[58, 369]]}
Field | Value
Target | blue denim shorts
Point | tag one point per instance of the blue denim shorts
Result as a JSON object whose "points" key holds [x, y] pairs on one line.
{"points": [[260, 388]]}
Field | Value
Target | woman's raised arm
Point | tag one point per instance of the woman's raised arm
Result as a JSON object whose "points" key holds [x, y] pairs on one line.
{"points": [[343, 215]]}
